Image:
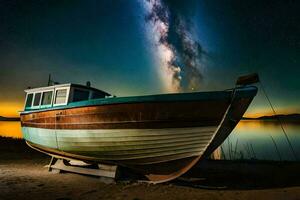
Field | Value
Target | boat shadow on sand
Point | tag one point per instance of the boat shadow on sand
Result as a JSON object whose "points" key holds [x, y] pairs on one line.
{"points": [[241, 175]]}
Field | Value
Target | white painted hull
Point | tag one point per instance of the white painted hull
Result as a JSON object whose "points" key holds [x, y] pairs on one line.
{"points": [[126, 144]]}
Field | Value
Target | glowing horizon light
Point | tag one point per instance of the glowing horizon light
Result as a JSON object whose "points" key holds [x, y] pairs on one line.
{"points": [[10, 109]]}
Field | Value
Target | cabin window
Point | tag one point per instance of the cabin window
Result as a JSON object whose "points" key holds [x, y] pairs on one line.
{"points": [[29, 100], [97, 95], [61, 96], [37, 98], [80, 95], [47, 97]]}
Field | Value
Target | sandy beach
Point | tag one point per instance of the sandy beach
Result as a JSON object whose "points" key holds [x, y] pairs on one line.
{"points": [[23, 176]]}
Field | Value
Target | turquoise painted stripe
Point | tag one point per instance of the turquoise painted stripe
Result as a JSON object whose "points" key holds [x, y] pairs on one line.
{"points": [[44, 137], [242, 92]]}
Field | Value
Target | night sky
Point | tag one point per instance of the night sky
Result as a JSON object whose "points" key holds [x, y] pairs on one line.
{"points": [[139, 47]]}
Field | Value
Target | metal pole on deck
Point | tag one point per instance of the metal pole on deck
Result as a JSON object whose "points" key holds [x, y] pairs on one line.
{"points": [[49, 80]]}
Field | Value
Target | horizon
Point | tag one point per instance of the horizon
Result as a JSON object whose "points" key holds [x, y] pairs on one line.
{"points": [[247, 115]]}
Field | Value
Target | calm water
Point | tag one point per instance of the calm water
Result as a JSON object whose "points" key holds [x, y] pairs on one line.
{"points": [[10, 129], [253, 139], [250, 139]]}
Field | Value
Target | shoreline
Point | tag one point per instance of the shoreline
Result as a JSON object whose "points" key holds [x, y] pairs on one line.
{"points": [[9, 119]]}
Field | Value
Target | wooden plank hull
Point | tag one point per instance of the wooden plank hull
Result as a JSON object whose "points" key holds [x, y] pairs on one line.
{"points": [[161, 140], [127, 116], [138, 146]]}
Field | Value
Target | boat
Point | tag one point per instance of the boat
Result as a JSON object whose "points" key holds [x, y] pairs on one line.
{"points": [[158, 136]]}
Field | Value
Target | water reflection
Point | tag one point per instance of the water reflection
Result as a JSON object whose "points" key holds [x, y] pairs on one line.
{"points": [[262, 139], [10, 129]]}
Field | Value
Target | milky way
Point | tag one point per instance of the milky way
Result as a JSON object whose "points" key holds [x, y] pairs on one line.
{"points": [[179, 53]]}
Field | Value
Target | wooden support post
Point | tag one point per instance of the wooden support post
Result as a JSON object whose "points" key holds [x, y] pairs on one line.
{"points": [[101, 170], [52, 161]]}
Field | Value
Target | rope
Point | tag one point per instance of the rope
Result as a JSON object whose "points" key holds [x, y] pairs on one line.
{"points": [[278, 118]]}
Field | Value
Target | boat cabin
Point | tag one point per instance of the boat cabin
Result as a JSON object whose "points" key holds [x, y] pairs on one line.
{"points": [[59, 95]]}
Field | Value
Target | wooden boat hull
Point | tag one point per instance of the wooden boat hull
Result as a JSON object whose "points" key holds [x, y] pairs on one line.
{"points": [[161, 139]]}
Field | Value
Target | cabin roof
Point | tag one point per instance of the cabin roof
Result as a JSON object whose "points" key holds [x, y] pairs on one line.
{"points": [[31, 90], [46, 88]]}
